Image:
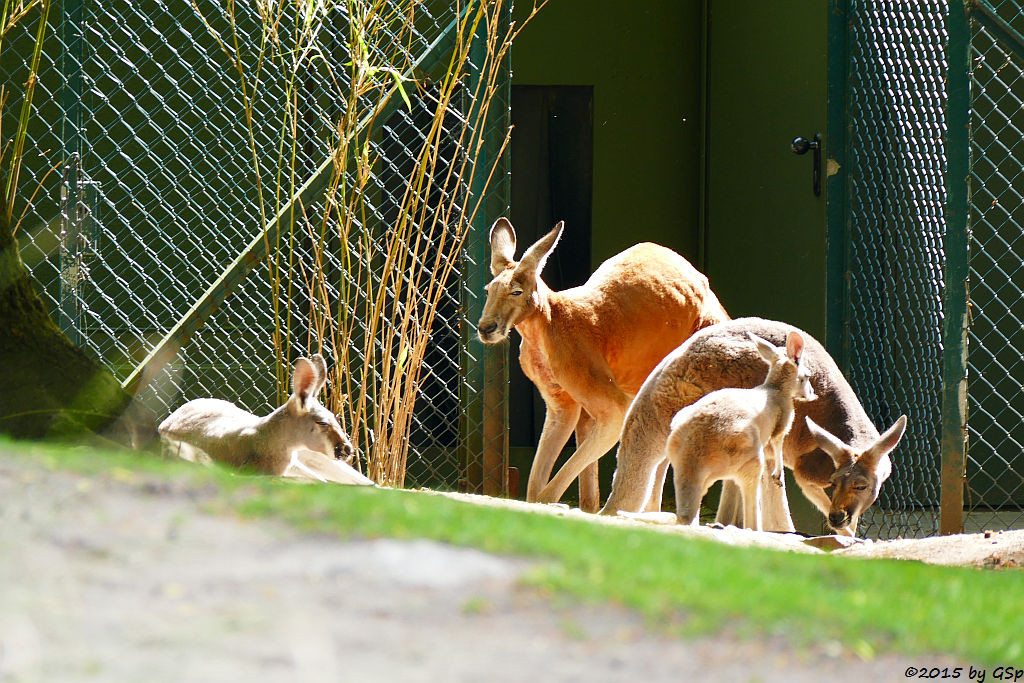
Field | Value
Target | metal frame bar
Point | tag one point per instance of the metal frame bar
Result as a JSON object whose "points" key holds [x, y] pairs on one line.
{"points": [[837, 276], [984, 14], [705, 143], [235, 273], [72, 57], [955, 245], [486, 424], [496, 359]]}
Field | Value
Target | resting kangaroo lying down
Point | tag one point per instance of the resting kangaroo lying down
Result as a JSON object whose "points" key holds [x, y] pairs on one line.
{"points": [[301, 434], [723, 356], [589, 348]]}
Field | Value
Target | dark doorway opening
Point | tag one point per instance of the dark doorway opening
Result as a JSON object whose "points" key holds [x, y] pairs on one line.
{"points": [[552, 180]]}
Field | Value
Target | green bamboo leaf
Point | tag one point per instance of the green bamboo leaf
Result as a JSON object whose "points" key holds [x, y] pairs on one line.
{"points": [[364, 52], [401, 88]]}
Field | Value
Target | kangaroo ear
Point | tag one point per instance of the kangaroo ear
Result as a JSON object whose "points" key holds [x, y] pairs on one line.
{"points": [[794, 345], [886, 442], [503, 245], [320, 365], [835, 448], [304, 381], [765, 348], [537, 255]]}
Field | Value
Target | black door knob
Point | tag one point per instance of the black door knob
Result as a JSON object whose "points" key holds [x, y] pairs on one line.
{"points": [[802, 145]]}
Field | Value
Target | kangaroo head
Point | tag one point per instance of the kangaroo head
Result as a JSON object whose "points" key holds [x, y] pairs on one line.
{"points": [[786, 367], [309, 423], [859, 474], [516, 291]]}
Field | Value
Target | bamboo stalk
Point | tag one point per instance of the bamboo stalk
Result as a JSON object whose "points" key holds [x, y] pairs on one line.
{"points": [[17, 154], [377, 323]]}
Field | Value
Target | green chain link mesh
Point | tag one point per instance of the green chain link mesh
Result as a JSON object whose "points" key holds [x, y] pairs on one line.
{"points": [[896, 94], [995, 462], [897, 205], [147, 100], [145, 97]]}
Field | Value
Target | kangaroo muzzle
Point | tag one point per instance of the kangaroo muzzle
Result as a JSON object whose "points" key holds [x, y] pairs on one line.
{"points": [[344, 451], [838, 519], [489, 332]]}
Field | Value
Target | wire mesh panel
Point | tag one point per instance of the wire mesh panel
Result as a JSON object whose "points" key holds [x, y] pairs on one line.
{"points": [[995, 463], [896, 195], [159, 150]]}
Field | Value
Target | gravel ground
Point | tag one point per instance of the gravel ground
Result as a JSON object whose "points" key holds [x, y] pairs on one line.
{"points": [[997, 549], [124, 578]]}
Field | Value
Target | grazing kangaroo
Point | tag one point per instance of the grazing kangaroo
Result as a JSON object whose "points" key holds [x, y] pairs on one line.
{"points": [[269, 444], [859, 472], [723, 356], [588, 349], [736, 433]]}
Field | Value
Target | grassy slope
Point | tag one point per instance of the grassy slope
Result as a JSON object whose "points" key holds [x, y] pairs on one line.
{"points": [[868, 605]]}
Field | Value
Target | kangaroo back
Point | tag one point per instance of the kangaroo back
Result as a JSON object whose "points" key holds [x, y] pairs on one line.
{"points": [[216, 428]]}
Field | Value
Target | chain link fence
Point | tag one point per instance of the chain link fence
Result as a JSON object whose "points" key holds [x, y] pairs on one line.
{"points": [[900, 210], [995, 459], [138, 197], [896, 93]]}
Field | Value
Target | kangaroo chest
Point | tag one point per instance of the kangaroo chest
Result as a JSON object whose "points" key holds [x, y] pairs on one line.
{"points": [[772, 422], [537, 368], [783, 421], [567, 367]]}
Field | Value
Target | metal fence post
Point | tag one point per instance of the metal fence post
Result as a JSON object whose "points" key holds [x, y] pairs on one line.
{"points": [[486, 367], [955, 243], [837, 212], [72, 20], [495, 453]]}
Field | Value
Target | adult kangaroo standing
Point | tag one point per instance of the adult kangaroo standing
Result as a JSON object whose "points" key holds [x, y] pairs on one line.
{"points": [[589, 349]]}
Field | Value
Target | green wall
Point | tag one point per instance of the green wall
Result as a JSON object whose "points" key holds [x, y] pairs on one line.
{"points": [[644, 63]]}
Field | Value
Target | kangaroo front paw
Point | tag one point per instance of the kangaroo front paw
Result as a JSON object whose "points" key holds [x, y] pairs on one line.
{"points": [[774, 474]]}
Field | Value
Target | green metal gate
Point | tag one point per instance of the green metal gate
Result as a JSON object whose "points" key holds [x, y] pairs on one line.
{"points": [[995, 459], [895, 197], [139, 211], [926, 248]]}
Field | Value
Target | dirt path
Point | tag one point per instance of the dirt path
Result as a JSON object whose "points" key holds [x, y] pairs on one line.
{"points": [[117, 578]]}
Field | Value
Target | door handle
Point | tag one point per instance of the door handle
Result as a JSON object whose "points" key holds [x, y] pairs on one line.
{"points": [[800, 146]]}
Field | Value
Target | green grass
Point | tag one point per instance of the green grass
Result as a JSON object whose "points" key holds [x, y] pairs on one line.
{"points": [[695, 586]]}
